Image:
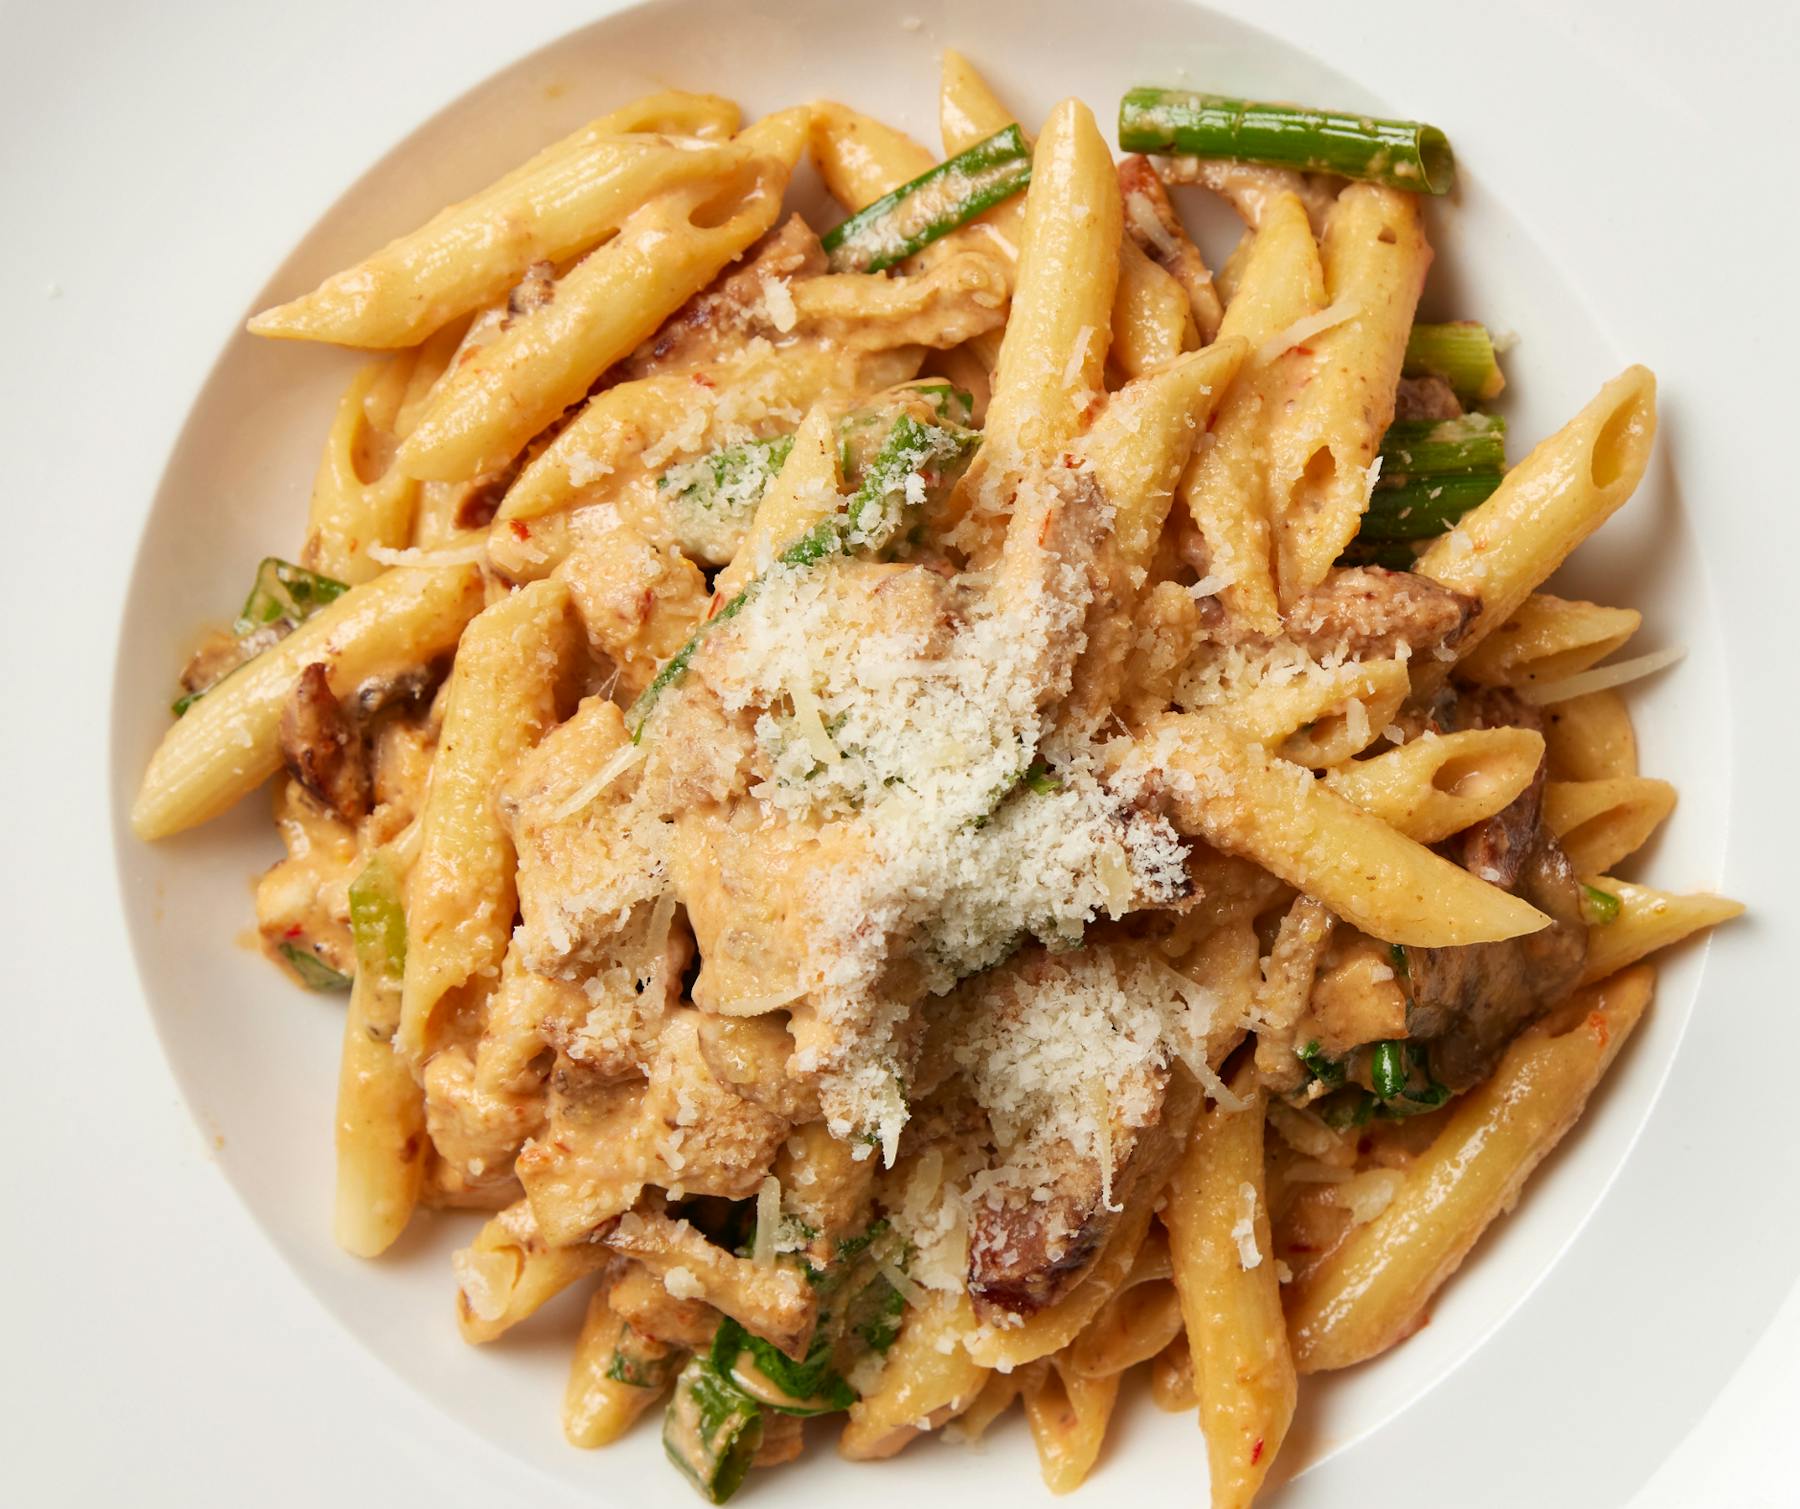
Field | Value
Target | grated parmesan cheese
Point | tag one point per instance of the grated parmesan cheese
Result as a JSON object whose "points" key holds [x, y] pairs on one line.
{"points": [[1243, 1230], [682, 1284]]}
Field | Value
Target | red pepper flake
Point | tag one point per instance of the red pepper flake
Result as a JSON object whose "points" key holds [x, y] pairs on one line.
{"points": [[701, 380], [1597, 1025], [1256, 1451], [1303, 350], [521, 530], [1068, 460], [293, 931]]}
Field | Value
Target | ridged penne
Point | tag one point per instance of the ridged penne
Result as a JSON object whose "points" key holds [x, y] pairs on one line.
{"points": [[225, 746], [1648, 919], [927, 1381], [670, 247], [1590, 738], [512, 674], [561, 202], [1549, 638], [1223, 1261], [509, 1272], [1374, 1289], [1246, 802], [1439, 784], [1598, 823], [1068, 1414], [1568, 486]]}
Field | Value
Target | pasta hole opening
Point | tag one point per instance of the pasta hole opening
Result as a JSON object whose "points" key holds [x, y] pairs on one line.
{"points": [[727, 201], [1466, 777], [1621, 440]]}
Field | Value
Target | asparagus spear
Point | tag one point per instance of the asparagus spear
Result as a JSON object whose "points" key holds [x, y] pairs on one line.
{"points": [[1401, 154], [1421, 507], [378, 918], [932, 205], [1462, 353], [1433, 447]]}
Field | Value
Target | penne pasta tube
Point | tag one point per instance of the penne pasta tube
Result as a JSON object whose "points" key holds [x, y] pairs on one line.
{"points": [[1439, 784], [509, 1272], [598, 1406], [859, 158], [669, 248], [1152, 321], [350, 509], [1172, 1378], [1598, 823], [1323, 443], [511, 673], [1053, 359], [1375, 1288], [928, 1380], [226, 745], [381, 1134], [1068, 1415], [1648, 919], [1246, 802], [1590, 738], [1544, 507], [561, 202], [1225, 487], [1547, 639], [1223, 1260]]}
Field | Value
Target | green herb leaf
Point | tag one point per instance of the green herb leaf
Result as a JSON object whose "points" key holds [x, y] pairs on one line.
{"points": [[314, 972]]}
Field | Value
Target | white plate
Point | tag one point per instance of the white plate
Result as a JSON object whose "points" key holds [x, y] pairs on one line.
{"points": [[1622, 1292]]}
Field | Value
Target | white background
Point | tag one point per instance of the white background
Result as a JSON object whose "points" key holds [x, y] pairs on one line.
{"points": [[151, 1350]]}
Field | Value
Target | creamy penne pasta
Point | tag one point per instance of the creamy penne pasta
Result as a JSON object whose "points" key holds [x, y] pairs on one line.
{"points": [[930, 805]]}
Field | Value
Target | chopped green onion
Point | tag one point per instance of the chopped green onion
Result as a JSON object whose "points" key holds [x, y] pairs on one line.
{"points": [[1598, 907], [730, 480], [282, 592], [1423, 507], [1432, 447], [314, 972], [1039, 780], [932, 205], [1327, 1070], [1387, 1069], [378, 918], [1462, 353], [1401, 154], [711, 1430], [642, 1361], [769, 1376]]}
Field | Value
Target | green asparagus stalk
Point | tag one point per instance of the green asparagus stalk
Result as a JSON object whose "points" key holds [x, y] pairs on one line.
{"points": [[932, 205], [1462, 353], [1434, 447], [1401, 154], [711, 1430], [882, 502], [1598, 907], [730, 480], [1421, 507]]}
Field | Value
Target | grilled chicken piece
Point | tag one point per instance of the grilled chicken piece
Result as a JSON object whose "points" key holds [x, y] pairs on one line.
{"points": [[322, 747], [1367, 613]]}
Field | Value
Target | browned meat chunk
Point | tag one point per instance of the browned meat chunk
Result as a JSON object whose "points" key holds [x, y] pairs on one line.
{"points": [[322, 748], [531, 293], [1428, 397], [1468, 1003], [727, 310], [1368, 613]]}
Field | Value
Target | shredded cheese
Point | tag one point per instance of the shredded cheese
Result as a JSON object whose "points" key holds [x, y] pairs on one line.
{"points": [[1305, 328], [1602, 678]]}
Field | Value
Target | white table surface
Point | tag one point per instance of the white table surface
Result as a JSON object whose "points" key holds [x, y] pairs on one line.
{"points": [[141, 1304]]}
